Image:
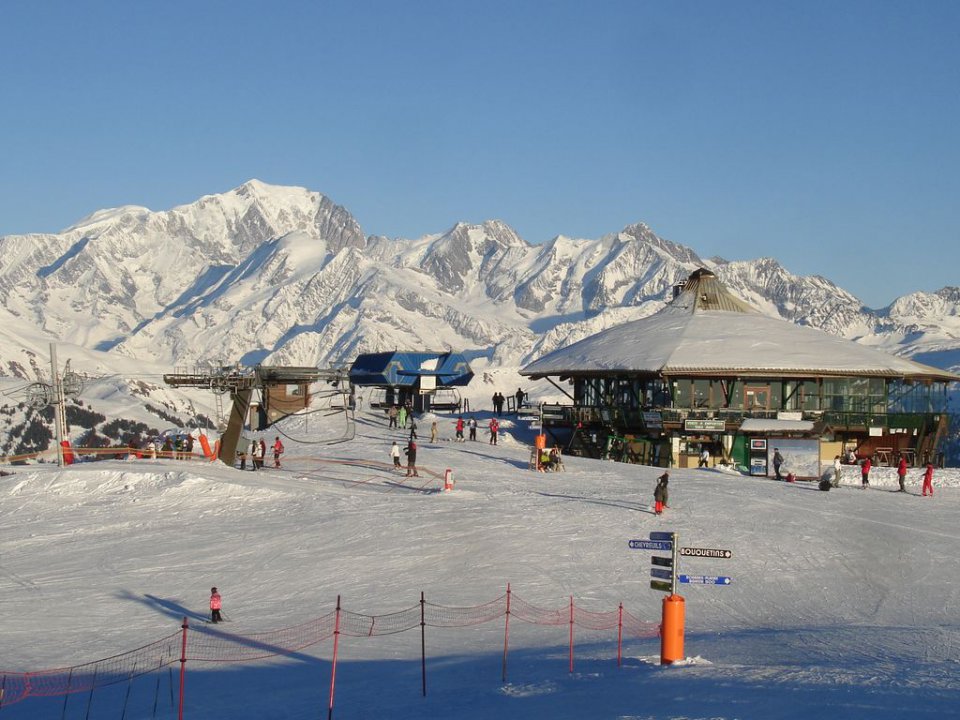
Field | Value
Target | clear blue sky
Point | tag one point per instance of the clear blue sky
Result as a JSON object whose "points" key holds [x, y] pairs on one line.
{"points": [[825, 134]]}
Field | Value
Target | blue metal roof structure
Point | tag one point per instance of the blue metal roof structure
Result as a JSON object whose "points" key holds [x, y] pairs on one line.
{"points": [[404, 369]]}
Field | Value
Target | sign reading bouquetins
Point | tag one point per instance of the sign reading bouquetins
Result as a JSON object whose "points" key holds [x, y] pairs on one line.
{"points": [[706, 552]]}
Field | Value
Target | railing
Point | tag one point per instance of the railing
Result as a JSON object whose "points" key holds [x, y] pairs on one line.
{"points": [[209, 645]]}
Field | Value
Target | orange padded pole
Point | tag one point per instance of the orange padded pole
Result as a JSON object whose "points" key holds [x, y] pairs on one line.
{"points": [[671, 629]]}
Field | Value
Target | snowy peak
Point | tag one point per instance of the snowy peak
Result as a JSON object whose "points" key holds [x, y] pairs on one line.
{"points": [[266, 273]]}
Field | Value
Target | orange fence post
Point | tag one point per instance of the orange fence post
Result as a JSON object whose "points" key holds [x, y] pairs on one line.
{"points": [[671, 630]]}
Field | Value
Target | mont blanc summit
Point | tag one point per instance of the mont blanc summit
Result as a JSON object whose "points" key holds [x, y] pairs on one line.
{"points": [[266, 273]]}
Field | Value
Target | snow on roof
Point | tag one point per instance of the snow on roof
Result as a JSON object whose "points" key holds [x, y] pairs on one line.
{"points": [[707, 331], [775, 425]]}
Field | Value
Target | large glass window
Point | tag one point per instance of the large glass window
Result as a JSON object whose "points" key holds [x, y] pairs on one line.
{"points": [[701, 393]]}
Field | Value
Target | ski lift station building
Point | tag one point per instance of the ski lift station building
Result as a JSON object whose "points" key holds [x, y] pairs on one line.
{"points": [[709, 371], [425, 380]]}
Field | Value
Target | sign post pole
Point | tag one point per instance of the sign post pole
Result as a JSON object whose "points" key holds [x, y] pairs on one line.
{"points": [[674, 611]]}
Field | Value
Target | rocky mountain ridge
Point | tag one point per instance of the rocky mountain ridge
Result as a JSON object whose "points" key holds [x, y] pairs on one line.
{"points": [[283, 275]]}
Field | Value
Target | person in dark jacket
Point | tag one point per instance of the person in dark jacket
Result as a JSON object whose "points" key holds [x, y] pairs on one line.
{"points": [[411, 452], [661, 494], [777, 462]]}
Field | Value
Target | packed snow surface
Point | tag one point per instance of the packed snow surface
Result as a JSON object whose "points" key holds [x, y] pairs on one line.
{"points": [[841, 604]]}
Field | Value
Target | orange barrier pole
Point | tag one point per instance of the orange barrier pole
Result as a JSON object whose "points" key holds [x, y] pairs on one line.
{"points": [[671, 630]]}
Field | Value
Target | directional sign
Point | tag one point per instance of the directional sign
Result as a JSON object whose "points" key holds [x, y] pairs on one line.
{"points": [[660, 585], [661, 536], [651, 545], [661, 573], [704, 579], [661, 561], [706, 553]]}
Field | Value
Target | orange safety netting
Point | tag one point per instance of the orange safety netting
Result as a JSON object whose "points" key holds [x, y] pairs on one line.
{"points": [[208, 644]]}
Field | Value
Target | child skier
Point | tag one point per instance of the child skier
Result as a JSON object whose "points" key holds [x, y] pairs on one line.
{"points": [[215, 606], [928, 480], [395, 454], [660, 493]]}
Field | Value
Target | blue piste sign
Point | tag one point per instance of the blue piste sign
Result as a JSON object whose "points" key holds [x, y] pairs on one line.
{"points": [[650, 545], [704, 579]]}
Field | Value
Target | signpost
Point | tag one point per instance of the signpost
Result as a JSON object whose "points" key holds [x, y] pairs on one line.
{"points": [[664, 572], [705, 579]]}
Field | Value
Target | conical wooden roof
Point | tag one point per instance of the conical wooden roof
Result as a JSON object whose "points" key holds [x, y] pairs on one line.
{"points": [[707, 330]]}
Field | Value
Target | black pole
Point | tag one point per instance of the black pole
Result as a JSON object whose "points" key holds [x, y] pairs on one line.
{"points": [[423, 645], [126, 698], [66, 695], [156, 692], [90, 697]]}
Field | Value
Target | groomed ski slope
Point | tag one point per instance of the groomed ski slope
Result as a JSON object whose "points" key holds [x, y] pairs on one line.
{"points": [[842, 603]]}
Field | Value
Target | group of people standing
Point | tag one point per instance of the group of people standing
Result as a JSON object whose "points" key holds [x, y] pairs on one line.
{"points": [[866, 465], [499, 399], [258, 451]]}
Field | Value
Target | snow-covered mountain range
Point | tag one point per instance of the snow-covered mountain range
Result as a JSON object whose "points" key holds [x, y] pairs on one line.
{"points": [[283, 275]]}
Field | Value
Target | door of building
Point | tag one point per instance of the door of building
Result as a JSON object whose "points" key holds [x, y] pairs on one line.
{"points": [[756, 397]]}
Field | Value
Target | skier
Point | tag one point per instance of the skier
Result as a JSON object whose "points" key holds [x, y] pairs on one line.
{"points": [[392, 415], [253, 454], [472, 424], [494, 429], [433, 431], [459, 429], [242, 454], [777, 462], [928, 480], [520, 396], [865, 473], [215, 604], [902, 473], [277, 451], [412, 459], [661, 493], [837, 467], [395, 454], [704, 458], [402, 417]]}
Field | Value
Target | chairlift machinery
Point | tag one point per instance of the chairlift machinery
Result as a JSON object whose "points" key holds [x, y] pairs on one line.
{"points": [[240, 383]]}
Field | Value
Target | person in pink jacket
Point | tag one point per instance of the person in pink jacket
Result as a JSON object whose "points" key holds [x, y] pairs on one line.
{"points": [[215, 604], [928, 481], [865, 473]]}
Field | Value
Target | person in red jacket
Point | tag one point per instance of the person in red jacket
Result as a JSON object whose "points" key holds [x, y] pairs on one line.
{"points": [[865, 473], [277, 451], [928, 481], [494, 429], [902, 473], [215, 606]]}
